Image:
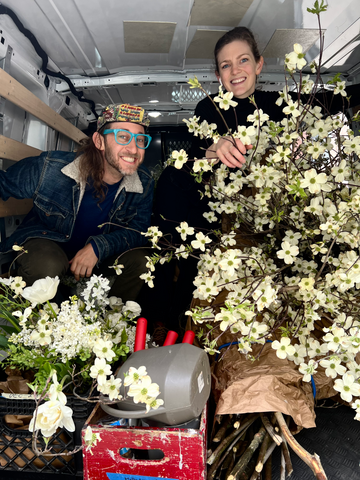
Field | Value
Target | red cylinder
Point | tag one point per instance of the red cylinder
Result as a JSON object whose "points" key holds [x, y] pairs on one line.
{"points": [[170, 338], [140, 335], [189, 337]]}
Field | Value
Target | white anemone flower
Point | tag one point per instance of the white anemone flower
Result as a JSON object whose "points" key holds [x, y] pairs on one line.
{"points": [[42, 290], [153, 403], [91, 438], [111, 388], [225, 101], [201, 241], [50, 416], [134, 375], [308, 369], [333, 367], [288, 252], [347, 387], [283, 348], [296, 58], [102, 349], [184, 230], [144, 389], [315, 182], [100, 370]]}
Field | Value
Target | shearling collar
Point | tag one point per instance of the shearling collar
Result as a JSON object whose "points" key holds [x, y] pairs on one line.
{"points": [[131, 183]]}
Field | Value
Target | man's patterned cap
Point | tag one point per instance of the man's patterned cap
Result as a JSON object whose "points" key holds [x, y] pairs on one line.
{"points": [[123, 113]]}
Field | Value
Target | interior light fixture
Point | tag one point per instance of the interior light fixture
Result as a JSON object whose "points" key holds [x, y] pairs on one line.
{"points": [[153, 101], [154, 114]]}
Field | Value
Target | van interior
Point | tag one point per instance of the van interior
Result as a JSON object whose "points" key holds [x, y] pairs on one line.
{"points": [[73, 57]]}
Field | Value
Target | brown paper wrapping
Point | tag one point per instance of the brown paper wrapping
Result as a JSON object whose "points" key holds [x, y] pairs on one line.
{"points": [[265, 385], [16, 381]]}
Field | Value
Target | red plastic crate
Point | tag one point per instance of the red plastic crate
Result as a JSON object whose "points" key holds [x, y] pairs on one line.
{"points": [[184, 452]]}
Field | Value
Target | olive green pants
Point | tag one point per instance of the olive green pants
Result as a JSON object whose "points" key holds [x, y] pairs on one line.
{"points": [[47, 258]]}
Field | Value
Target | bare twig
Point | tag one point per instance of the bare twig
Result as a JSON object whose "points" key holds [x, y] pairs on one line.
{"points": [[270, 429], [313, 461], [244, 460], [222, 430], [286, 455], [228, 440], [282, 467], [260, 461]]}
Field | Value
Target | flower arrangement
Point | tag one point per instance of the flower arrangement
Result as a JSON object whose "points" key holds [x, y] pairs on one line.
{"points": [[71, 347], [287, 268]]}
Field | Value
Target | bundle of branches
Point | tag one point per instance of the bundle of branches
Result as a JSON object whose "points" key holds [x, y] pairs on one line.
{"points": [[242, 448]]}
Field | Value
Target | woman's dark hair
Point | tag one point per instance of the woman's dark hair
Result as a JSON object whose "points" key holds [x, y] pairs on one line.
{"points": [[92, 165], [237, 33]]}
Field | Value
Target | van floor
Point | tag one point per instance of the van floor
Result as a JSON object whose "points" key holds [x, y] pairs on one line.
{"points": [[336, 440]]}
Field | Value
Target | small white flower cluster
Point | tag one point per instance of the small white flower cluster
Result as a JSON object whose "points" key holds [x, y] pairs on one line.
{"points": [[142, 389]]}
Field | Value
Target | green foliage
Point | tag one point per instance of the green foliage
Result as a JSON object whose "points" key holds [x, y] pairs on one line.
{"points": [[318, 8], [194, 83], [296, 190], [336, 78]]}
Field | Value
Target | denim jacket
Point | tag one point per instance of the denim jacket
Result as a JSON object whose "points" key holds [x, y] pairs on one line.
{"points": [[52, 180]]}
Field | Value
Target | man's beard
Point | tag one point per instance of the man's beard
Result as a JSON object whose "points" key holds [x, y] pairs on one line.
{"points": [[115, 163]]}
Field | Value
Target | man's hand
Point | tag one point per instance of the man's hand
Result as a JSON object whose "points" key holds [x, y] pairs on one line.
{"points": [[227, 152], [83, 262]]}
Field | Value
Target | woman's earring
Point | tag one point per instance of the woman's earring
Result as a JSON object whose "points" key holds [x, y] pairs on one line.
{"points": [[220, 82]]}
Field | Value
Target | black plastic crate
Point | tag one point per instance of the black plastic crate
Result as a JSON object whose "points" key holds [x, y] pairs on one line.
{"points": [[15, 406], [16, 451], [14, 443]]}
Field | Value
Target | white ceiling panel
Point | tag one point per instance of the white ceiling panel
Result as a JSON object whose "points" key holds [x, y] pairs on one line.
{"points": [[142, 50], [202, 44], [148, 37], [207, 12], [283, 40]]}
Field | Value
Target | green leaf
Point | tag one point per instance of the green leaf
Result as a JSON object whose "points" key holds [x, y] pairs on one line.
{"points": [[194, 83], [3, 341], [318, 8], [336, 78], [8, 329]]}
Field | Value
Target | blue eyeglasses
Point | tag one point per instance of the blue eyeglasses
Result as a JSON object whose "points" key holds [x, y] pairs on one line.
{"points": [[123, 137]]}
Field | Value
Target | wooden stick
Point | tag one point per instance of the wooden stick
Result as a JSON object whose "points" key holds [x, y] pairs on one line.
{"points": [[270, 429], [244, 460], [268, 467], [313, 461], [222, 430], [263, 449], [220, 459], [282, 467], [227, 441], [269, 452], [286, 454], [231, 465]]}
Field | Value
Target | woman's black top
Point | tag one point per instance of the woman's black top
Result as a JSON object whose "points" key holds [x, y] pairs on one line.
{"points": [[330, 103]]}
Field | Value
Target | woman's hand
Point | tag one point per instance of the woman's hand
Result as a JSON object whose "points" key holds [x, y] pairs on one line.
{"points": [[229, 150]]}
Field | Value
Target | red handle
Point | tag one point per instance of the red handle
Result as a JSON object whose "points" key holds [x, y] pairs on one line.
{"points": [[140, 335], [189, 337], [170, 338]]}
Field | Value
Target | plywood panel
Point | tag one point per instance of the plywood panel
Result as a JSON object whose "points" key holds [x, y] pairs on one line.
{"points": [[13, 91], [14, 150]]}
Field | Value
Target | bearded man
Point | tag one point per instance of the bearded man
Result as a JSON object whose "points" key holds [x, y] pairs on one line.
{"points": [[89, 207]]}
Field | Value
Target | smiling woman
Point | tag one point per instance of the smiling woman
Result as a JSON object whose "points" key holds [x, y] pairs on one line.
{"points": [[238, 63]]}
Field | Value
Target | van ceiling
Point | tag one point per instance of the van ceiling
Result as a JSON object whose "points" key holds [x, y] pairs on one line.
{"points": [[140, 51]]}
